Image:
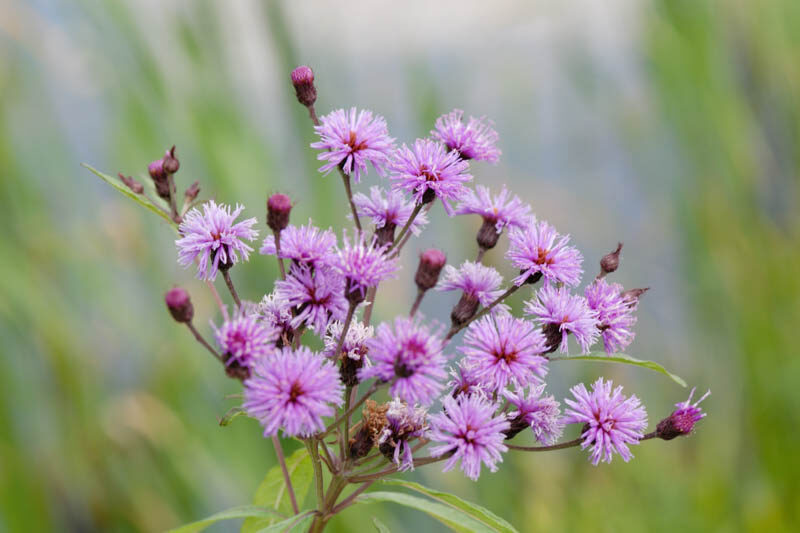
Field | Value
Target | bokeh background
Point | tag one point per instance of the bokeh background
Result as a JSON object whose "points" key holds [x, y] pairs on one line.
{"points": [[670, 125]]}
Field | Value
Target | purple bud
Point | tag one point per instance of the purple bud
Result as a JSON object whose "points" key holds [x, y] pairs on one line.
{"points": [[192, 192], [156, 170], [465, 309], [131, 183], [303, 81], [682, 420], [278, 208], [610, 262], [171, 163], [430, 266], [179, 305], [488, 234]]}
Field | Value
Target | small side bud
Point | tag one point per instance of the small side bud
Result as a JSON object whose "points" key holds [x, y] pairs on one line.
{"points": [[278, 208], [431, 263], [131, 183], [682, 420], [610, 262], [179, 305], [633, 295], [465, 309], [192, 192], [159, 176], [488, 235], [303, 81], [171, 163]]}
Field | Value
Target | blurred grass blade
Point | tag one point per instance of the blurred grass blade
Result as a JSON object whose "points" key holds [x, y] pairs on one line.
{"points": [[380, 526], [141, 200], [624, 359], [481, 514], [295, 524], [244, 511], [453, 518]]}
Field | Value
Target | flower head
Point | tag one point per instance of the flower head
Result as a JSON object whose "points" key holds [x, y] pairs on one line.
{"points": [[355, 342], [307, 245], [292, 390], [468, 427], [388, 209], [505, 350], [427, 171], [615, 318], [473, 140], [317, 296], [501, 210], [276, 312], [244, 338], [480, 282], [214, 239], [410, 355], [540, 413], [351, 139], [466, 380], [539, 251], [682, 420], [362, 265], [403, 423], [611, 420], [562, 313]]}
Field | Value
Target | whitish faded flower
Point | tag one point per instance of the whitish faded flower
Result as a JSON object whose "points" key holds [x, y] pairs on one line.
{"points": [[473, 140], [540, 252], [355, 342]]}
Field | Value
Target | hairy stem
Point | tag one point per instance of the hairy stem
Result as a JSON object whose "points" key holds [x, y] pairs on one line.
{"points": [[229, 282], [286, 478]]}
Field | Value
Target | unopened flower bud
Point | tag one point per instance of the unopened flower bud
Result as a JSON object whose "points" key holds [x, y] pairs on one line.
{"points": [[278, 208], [191, 193], [430, 266], [633, 295], [610, 262], [131, 183], [303, 81], [682, 420], [156, 170], [179, 305], [465, 309], [488, 235], [171, 163]]}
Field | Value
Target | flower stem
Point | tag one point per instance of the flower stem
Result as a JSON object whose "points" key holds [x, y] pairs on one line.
{"points": [[347, 321], [455, 329], [229, 282], [417, 301], [414, 213], [349, 191], [286, 478], [217, 299], [277, 235], [202, 341], [481, 251], [561, 446], [371, 292], [311, 444], [417, 462], [347, 502]]}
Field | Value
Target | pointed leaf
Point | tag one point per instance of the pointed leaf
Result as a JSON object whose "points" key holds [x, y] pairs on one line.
{"points": [[481, 514], [624, 359], [244, 511], [452, 518], [232, 413], [294, 524], [380, 526]]}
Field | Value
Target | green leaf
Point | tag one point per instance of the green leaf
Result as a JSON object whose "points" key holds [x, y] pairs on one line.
{"points": [[244, 511], [625, 359], [233, 412], [272, 491], [452, 518], [139, 199], [380, 526], [481, 514], [294, 524]]}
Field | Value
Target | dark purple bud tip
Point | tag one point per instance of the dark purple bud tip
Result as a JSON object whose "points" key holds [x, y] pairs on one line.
{"points": [[303, 81], [610, 262], [131, 183], [179, 305], [278, 208], [171, 163], [192, 192], [488, 234], [430, 266]]}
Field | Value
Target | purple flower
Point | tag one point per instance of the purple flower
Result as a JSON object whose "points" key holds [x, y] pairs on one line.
{"points": [[611, 420], [308, 245], [615, 317], [500, 210], [466, 381], [505, 350], [411, 356], [276, 313], [468, 427], [479, 282], [292, 390], [473, 140], [317, 296], [244, 338], [213, 237], [540, 413], [428, 171], [355, 342], [683, 419], [390, 209], [539, 251], [351, 139], [403, 423], [562, 313], [362, 265]]}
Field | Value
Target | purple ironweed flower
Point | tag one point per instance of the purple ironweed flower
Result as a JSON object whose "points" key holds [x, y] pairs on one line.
{"points": [[403, 423], [276, 312], [473, 140], [683, 419], [477, 281], [388, 211], [505, 350], [351, 139], [615, 317], [539, 251], [497, 211], [468, 427], [355, 342], [213, 237], [611, 420], [307, 245], [292, 390], [561, 313], [428, 171], [411, 357], [243, 338], [540, 413], [317, 296], [466, 381], [363, 266]]}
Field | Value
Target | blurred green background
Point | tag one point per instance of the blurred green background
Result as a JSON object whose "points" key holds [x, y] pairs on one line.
{"points": [[671, 125]]}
